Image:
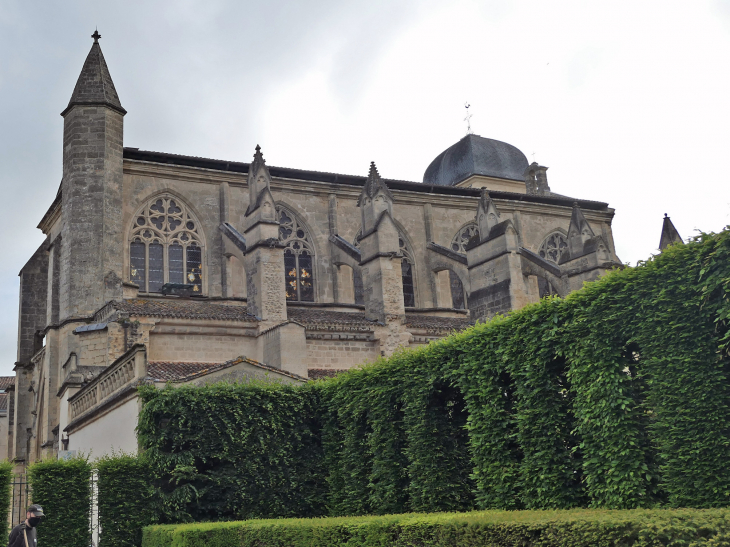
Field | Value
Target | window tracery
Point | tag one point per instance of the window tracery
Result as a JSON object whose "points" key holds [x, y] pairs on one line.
{"points": [[463, 236], [553, 247], [166, 246], [298, 257]]}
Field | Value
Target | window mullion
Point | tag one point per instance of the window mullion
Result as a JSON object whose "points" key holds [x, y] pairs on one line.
{"points": [[146, 267]]}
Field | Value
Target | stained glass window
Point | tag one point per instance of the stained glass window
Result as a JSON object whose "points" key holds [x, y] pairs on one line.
{"points": [[298, 257], [166, 246], [553, 247]]}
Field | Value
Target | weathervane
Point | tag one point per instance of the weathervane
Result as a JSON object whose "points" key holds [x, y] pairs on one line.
{"points": [[468, 118]]}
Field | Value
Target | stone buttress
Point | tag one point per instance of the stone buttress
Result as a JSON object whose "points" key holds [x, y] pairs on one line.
{"points": [[380, 260], [495, 266]]}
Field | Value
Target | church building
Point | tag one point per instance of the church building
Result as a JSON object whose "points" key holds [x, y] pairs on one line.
{"points": [[160, 268]]}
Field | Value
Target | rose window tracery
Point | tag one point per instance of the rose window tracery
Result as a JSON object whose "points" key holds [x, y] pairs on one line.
{"points": [[463, 236], [166, 246], [298, 257], [553, 247]]}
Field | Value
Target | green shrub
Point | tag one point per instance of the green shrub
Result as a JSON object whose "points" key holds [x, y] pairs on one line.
{"points": [[126, 499], [6, 485], [229, 451], [576, 528], [63, 489]]}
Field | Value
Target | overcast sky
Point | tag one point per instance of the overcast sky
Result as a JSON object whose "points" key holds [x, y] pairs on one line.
{"points": [[625, 102]]}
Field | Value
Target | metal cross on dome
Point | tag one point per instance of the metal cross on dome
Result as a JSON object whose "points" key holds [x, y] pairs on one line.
{"points": [[96, 36], [468, 118]]}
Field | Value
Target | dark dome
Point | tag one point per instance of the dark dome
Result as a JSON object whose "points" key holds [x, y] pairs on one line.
{"points": [[475, 155]]}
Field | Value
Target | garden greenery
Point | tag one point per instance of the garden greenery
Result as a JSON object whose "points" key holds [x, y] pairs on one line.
{"points": [[126, 499], [614, 397], [578, 528], [6, 485], [63, 489]]}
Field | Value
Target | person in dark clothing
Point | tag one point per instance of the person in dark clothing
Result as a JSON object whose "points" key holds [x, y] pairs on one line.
{"points": [[24, 534]]}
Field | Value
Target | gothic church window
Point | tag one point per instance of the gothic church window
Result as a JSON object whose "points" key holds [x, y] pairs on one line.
{"points": [[358, 286], [298, 257], [457, 291], [165, 246], [463, 236], [553, 247], [407, 266], [409, 291]]}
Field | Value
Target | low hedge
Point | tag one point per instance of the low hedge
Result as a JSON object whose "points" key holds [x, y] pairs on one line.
{"points": [[6, 480], [575, 528]]}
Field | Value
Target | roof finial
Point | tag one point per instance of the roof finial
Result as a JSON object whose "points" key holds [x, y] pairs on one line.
{"points": [[96, 36], [468, 118]]}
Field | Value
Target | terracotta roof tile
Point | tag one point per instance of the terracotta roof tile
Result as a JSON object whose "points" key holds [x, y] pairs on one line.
{"points": [[178, 371], [6, 382], [311, 318], [319, 373], [184, 309], [418, 321]]}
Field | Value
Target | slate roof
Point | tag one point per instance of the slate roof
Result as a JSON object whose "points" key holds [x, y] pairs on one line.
{"points": [[167, 158], [6, 382], [418, 321], [95, 86], [320, 373], [311, 318], [475, 155], [183, 309], [177, 371]]}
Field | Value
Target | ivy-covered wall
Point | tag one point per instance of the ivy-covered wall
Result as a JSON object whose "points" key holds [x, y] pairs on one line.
{"points": [[617, 396]]}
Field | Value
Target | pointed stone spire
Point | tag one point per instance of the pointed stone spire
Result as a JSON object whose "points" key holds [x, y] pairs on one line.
{"points": [[259, 182], [487, 215], [669, 235], [374, 199], [95, 85], [579, 231], [373, 185]]}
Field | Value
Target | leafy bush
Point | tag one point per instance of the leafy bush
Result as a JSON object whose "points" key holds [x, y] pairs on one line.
{"points": [[577, 528], [63, 489], [126, 499], [235, 450], [6, 484], [617, 396]]}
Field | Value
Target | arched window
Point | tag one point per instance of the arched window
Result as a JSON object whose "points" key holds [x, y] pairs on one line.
{"points": [[553, 247], [463, 236], [409, 290], [166, 246], [457, 291], [298, 257], [358, 286], [407, 266]]}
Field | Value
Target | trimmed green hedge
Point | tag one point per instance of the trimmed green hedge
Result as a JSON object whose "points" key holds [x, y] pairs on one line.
{"points": [[6, 480], [126, 499], [63, 489], [576, 528], [234, 451], [617, 396]]}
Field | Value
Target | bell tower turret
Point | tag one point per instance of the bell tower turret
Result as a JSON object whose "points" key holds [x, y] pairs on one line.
{"points": [[91, 191]]}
